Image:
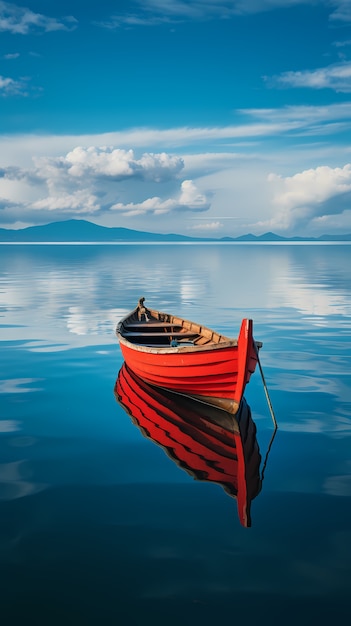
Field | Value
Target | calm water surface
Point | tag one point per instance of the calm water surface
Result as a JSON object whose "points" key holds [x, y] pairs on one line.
{"points": [[97, 524]]}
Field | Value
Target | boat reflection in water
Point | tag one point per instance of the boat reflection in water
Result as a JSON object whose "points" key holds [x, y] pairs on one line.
{"points": [[207, 442]]}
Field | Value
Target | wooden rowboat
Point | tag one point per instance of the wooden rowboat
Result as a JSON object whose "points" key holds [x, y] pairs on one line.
{"points": [[179, 355], [208, 443]]}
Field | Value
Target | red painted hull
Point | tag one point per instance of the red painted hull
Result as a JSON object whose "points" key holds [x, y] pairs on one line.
{"points": [[217, 373], [210, 444]]}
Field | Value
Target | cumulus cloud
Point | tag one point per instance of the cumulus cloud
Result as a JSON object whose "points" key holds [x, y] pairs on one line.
{"points": [[93, 167], [311, 195], [13, 172], [80, 201], [336, 77], [20, 20], [112, 163], [189, 199], [313, 186], [86, 181], [148, 183]]}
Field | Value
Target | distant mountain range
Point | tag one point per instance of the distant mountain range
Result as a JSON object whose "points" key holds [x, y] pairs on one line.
{"points": [[83, 231]]}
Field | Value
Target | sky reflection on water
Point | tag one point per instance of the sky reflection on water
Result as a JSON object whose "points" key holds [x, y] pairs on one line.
{"points": [[82, 491]]}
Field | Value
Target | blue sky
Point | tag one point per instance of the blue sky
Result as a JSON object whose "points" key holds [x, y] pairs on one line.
{"points": [[202, 117]]}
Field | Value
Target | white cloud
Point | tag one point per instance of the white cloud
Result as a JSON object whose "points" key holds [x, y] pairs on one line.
{"points": [[254, 126], [336, 77], [304, 115], [342, 11], [313, 186], [81, 201], [20, 20], [156, 12], [77, 182], [113, 163], [310, 194], [208, 226], [66, 177], [10, 56], [189, 199], [11, 87]]}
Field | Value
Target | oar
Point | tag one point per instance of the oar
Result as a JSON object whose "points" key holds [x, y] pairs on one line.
{"points": [[267, 453], [266, 390]]}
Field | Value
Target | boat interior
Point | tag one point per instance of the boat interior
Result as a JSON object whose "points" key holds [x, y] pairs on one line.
{"points": [[152, 328]]}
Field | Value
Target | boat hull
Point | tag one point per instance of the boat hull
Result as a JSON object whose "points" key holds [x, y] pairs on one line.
{"points": [[217, 374]]}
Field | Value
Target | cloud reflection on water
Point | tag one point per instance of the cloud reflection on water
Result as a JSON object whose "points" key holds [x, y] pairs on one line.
{"points": [[14, 481], [60, 298], [67, 299]]}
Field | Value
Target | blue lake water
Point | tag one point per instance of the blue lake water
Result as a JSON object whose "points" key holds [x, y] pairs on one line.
{"points": [[97, 524]]}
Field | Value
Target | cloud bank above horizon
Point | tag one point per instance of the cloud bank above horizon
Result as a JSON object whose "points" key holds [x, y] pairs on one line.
{"points": [[279, 160]]}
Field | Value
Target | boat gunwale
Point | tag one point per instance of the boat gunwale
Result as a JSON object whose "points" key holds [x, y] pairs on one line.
{"points": [[225, 343], [157, 348]]}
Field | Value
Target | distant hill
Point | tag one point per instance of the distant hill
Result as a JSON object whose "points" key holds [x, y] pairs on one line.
{"points": [[273, 237], [84, 231]]}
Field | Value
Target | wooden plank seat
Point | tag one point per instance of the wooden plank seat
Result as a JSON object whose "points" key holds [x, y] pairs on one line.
{"points": [[152, 326], [176, 335], [167, 345]]}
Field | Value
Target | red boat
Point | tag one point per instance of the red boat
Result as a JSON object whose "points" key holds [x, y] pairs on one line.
{"points": [[207, 442], [182, 356]]}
